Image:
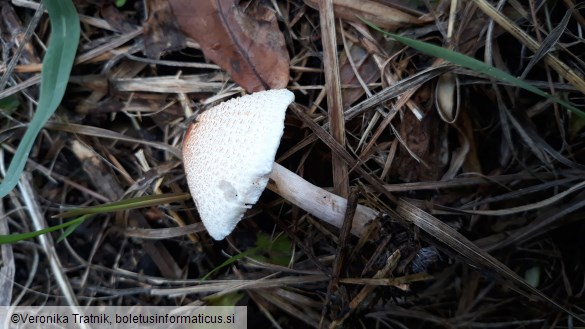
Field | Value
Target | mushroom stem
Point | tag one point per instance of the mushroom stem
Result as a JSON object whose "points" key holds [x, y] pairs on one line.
{"points": [[317, 201]]}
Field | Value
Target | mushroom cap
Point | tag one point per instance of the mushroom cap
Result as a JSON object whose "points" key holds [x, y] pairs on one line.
{"points": [[228, 155]]}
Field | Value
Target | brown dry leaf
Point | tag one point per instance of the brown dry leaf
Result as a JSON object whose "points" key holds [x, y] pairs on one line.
{"points": [[251, 49], [12, 34], [421, 139], [383, 16], [117, 19], [160, 30], [366, 67]]}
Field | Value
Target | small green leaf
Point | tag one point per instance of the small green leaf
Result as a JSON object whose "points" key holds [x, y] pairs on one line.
{"points": [[224, 300], [278, 252], [532, 276], [9, 104], [231, 260], [576, 124]]}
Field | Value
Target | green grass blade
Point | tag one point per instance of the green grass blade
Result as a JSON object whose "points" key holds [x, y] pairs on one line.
{"points": [[474, 65], [127, 204], [231, 260], [57, 66], [71, 228], [12, 238], [84, 213]]}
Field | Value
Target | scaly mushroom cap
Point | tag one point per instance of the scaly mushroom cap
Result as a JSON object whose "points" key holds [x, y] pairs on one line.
{"points": [[228, 155]]}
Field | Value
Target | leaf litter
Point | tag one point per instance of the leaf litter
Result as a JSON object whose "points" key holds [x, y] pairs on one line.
{"points": [[469, 207]]}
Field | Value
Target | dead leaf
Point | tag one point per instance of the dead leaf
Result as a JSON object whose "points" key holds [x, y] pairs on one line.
{"points": [[12, 34], [447, 97], [161, 31], [117, 19], [421, 139], [366, 67], [249, 46], [383, 16]]}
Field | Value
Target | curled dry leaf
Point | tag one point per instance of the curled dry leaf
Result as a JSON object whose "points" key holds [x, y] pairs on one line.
{"points": [[447, 97], [251, 49], [381, 15]]}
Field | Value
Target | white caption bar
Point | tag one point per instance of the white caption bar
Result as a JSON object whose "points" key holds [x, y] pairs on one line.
{"points": [[123, 317]]}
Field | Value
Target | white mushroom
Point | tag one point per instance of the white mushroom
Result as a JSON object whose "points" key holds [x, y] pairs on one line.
{"points": [[228, 154]]}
